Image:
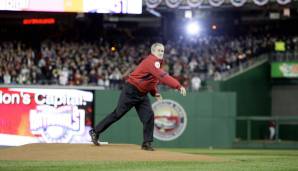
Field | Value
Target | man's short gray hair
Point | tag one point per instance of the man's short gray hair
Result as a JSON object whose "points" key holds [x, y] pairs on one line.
{"points": [[154, 45]]}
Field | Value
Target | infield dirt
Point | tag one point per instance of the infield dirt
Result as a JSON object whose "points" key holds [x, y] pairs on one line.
{"points": [[109, 152]]}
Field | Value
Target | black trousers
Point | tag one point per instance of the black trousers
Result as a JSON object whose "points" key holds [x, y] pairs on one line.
{"points": [[131, 97]]}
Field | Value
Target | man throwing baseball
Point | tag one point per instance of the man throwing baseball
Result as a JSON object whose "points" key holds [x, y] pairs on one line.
{"points": [[141, 81]]}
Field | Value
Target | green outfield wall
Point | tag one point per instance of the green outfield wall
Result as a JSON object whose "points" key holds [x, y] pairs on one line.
{"points": [[210, 119], [253, 89]]}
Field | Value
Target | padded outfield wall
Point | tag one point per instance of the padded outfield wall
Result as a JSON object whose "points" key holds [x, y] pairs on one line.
{"points": [[253, 89], [210, 119]]}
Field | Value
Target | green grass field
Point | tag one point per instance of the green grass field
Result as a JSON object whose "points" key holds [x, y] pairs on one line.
{"points": [[235, 159]]}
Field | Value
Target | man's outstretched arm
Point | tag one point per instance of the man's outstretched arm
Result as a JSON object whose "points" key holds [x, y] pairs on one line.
{"points": [[165, 78]]}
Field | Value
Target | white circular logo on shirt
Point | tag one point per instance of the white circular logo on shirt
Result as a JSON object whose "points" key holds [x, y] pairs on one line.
{"points": [[157, 64]]}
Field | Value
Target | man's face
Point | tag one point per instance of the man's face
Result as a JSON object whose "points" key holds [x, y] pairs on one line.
{"points": [[159, 51]]}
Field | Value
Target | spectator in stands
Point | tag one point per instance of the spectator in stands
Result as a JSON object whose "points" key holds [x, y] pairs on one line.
{"points": [[63, 76], [7, 78], [195, 83]]}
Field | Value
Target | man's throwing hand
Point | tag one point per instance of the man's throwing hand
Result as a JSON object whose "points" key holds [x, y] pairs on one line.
{"points": [[158, 97], [182, 91]]}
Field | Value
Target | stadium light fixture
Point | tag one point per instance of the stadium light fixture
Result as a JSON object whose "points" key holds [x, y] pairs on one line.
{"points": [[214, 27], [193, 28]]}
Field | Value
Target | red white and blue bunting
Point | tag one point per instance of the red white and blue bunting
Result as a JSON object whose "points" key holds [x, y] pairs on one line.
{"points": [[216, 3], [194, 3], [238, 3], [261, 2], [283, 2], [173, 3], [153, 3]]}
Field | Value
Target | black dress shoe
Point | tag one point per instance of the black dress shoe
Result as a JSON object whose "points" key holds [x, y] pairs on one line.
{"points": [[147, 146], [94, 137]]}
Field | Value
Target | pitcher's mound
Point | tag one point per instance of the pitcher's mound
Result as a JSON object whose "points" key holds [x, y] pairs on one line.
{"points": [[110, 152]]}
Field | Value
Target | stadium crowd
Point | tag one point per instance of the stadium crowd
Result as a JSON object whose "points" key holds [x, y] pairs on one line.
{"points": [[105, 64]]}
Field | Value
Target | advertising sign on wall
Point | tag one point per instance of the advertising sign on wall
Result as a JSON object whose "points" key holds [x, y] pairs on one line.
{"points": [[284, 70], [45, 116]]}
